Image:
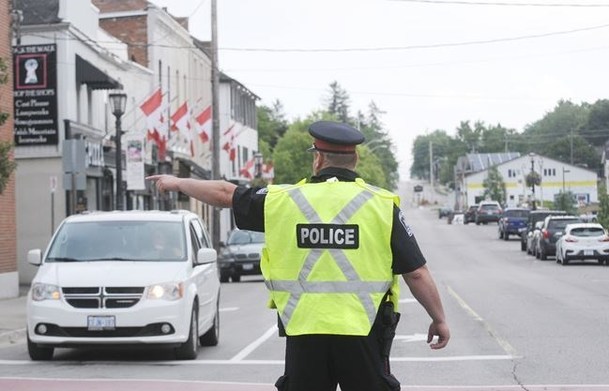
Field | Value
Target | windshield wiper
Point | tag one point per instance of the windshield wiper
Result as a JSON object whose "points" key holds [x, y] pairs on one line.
{"points": [[115, 259], [63, 259]]}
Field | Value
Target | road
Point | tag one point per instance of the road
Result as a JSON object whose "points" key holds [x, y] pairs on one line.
{"points": [[517, 323]]}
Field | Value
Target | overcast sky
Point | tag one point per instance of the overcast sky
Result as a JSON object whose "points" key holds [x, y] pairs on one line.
{"points": [[429, 64]]}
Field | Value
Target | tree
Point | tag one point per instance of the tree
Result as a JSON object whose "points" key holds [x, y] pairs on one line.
{"points": [[272, 124], [7, 165], [603, 212], [494, 186], [337, 103], [565, 201], [370, 169], [291, 160]]}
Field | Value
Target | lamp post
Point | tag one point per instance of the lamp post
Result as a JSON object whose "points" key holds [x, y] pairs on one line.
{"points": [[258, 165], [118, 102], [532, 156], [563, 178]]}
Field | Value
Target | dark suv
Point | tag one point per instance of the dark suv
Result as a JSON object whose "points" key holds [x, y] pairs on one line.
{"points": [[470, 214], [552, 229], [488, 212], [512, 221], [535, 216], [241, 255]]}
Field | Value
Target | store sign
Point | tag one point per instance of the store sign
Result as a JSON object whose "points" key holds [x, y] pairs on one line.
{"points": [[35, 95]]}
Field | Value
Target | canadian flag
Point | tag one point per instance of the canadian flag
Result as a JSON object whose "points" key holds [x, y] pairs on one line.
{"points": [[229, 145], [153, 108], [180, 122], [268, 171], [203, 124], [248, 170]]}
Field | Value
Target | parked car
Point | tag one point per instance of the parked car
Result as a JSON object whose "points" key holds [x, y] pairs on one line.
{"points": [[553, 227], [444, 211], [139, 278], [581, 242], [470, 214], [534, 217], [533, 238], [488, 212], [512, 221], [241, 255]]}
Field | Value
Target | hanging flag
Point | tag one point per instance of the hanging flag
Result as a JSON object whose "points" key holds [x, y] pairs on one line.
{"points": [[248, 170], [154, 110], [268, 171], [203, 124], [229, 146], [180, 122]]}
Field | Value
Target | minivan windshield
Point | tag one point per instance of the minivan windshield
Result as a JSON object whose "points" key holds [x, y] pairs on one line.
{"points": [[154, 241]]}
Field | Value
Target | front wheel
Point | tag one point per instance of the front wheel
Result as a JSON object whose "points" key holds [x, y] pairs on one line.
{"points": [[212, 336], [189, 349], [38, 353]]}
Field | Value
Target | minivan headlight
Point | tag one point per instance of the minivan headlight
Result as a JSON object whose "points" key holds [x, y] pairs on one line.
{"points": [[167, 291], [42, 292]]}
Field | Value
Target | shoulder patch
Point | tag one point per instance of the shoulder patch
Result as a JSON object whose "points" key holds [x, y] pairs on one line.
{"points": [[262, 190], [406, 226]]}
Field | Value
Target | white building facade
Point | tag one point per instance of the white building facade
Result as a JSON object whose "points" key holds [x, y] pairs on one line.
{"points": [[556, 177]]}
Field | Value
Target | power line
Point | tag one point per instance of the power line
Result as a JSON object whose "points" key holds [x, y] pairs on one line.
{"points": [[496, 3], [427, 46], [369, 49]]}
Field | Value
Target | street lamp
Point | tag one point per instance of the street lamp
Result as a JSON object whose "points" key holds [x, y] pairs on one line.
{"points": [[532, 156], [118, 102], [258, 164], [563, 178]]}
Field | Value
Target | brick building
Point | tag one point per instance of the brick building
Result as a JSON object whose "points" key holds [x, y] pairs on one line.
{"points": [[8, 248]]}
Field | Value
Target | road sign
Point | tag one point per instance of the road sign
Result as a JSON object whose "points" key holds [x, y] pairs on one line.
{"points": [[418, 188]]}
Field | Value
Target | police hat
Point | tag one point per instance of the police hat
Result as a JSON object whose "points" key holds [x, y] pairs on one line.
{"points": [[334, 137]]}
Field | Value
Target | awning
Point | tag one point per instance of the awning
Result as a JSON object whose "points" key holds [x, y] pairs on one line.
{"points": [[87, 73], [195, 170]]}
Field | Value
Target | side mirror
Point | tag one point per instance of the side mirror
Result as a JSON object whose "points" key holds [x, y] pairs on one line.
{"points": [[34, 257], [206, 256]]}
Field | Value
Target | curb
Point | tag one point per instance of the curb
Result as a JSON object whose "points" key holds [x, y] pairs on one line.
{"points": [[12, 337]]}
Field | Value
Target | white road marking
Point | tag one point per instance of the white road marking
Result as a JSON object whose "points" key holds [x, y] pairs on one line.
{"points": [[254, 345], [502, 342], [411, 338], [407, 300], [247, 362]]}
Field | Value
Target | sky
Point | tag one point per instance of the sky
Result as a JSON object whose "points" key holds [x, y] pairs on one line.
{"points": [[428, 64]]}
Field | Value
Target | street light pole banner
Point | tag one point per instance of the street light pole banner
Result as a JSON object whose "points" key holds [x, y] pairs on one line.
{"points": [[35, 95], [135, 162]]}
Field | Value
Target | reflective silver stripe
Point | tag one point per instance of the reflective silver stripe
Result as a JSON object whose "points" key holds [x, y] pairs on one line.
{"points": [[329, 286], [354, 284]]}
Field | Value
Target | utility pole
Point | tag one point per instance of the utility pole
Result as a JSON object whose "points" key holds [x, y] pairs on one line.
{"points": [[215, 92]]}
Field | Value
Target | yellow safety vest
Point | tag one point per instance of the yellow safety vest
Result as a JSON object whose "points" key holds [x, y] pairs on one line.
{"points": [[327, 259]]}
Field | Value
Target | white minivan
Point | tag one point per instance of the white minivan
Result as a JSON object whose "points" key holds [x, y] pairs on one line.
{"points": [[144, 278]]}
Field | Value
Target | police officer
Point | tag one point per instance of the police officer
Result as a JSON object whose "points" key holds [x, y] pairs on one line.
{"points": [[335, 247]]}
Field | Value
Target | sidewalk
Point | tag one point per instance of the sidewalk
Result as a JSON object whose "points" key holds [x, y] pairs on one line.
{"points": [[12, 318]]}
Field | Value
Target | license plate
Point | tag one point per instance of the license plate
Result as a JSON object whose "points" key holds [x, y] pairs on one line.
{"points": [[101, 323], [588, 252], [248, 266]]}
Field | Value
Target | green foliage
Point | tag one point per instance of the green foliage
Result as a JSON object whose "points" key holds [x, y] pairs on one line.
{"points": [[7, 165], [370, 168], [565, 201], [291, 160], [603, 212], [494, 186], [337, 102], [272, 124], [533, 178]]}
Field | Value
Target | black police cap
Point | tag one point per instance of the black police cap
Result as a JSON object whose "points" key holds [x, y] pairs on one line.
{"points": [[335, 137]]}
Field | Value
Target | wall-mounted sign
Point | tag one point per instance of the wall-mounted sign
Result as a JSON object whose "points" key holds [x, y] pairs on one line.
{"points": [[35, 95]]}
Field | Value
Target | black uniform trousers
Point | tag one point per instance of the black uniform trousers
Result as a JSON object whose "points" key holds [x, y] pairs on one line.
{"points": [[321, 362]]}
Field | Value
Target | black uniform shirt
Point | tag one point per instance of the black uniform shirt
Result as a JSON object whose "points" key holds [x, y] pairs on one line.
{"points": [[248, 209]]}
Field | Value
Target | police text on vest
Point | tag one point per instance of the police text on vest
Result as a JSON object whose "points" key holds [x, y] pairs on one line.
{"points": [[345, 236]]}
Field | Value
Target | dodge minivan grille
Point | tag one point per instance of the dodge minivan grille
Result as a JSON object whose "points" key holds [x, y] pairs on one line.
{"points": [[102, 297]]}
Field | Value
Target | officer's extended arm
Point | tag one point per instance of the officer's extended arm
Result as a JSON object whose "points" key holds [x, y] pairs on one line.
{"points": [[215, 193], [424, 289]]}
